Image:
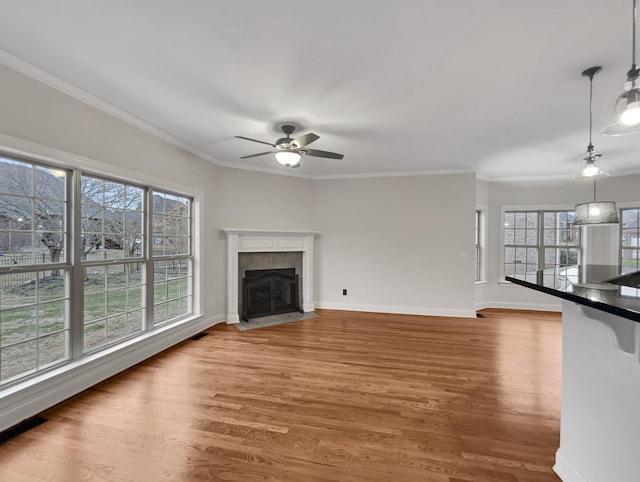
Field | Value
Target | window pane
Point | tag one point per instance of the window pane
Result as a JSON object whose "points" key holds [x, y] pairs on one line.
{"points": [[32, 222], [509, 220], [50, 183], [509, 255], [172, 289], [53, 349], [21, 359], [112, 220], [509, 236], [112, 293], [171, 224]]}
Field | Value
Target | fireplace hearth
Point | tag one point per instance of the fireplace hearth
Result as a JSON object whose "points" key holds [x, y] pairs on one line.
{"points": [[268, 292]]}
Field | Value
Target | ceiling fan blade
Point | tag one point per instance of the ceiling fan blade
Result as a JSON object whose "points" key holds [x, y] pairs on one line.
{"points": [[317, 153], [305, 139], [255, 140], [256, 155]]}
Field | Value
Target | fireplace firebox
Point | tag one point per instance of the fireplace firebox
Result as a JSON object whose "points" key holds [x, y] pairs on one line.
{"points": [[268, 292]]}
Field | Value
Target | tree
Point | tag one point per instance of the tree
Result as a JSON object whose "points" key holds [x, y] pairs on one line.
{"points": [[34, 202]]}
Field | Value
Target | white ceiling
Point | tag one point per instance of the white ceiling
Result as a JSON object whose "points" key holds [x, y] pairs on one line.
{"points": [[397, 86]]}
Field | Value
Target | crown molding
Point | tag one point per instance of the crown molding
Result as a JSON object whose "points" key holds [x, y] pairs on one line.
{"points": [[54, 82]]}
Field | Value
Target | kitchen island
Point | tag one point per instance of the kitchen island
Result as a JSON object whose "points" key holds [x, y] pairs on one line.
{"points": [[600, 414]]}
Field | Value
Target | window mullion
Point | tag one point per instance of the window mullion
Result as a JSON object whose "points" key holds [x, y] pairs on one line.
{"points": [[149, 271], [540, 240], [77, 270]]}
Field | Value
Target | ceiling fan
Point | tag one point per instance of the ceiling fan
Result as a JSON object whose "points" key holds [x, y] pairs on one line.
{"points": [[288, 151]]}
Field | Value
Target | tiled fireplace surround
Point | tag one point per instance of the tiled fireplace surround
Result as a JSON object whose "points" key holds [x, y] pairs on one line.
{"points": [[265, 249]]}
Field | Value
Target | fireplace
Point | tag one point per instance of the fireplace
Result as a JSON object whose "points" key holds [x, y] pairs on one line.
{"points": [[269, 292], [246, 250]]}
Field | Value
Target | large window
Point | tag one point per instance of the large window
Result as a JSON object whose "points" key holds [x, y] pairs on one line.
{"points": [[130, 260], [630, 240], [535, 240]]}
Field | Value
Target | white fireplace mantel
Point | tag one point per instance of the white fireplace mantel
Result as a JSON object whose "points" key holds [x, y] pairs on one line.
{"points": [[267, 241]]}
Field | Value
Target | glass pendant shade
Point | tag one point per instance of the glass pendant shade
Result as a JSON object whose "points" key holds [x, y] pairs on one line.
{"points": [[591, 170], [602, 212], [627, 109], [626, 113], [288, 158]]}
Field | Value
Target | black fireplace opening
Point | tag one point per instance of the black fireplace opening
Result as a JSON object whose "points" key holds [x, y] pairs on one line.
{"points": [[268, 292]]}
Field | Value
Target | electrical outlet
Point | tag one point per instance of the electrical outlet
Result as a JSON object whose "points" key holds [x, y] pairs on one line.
{"points": [[344, 292]]}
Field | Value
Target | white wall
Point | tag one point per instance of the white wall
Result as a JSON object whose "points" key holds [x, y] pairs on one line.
{"points": [[255, 200], [396, 243], [601, 241]]}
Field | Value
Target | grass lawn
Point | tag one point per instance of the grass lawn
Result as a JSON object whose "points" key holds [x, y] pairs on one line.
{"points": [[33, 331]]}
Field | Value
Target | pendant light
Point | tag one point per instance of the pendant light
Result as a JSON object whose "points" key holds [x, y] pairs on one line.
{"points": [[627, 109], [603, 212], [590, 170]]}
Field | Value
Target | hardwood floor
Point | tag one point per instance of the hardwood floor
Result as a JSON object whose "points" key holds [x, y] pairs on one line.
{"points": [[349, 397]]}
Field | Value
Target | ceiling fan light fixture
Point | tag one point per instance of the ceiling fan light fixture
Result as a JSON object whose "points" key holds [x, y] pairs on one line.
{"points": [[288, 158]]}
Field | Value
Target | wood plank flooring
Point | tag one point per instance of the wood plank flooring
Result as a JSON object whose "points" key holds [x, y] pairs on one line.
{"points": [[349, 397]]}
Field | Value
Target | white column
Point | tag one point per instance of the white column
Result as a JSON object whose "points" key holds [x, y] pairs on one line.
{"points": [[232, 278], [307, 275]]}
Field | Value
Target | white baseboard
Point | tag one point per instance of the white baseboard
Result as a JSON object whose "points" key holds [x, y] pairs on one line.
{"points": [[509, 305], [401, 310], [27, 399], [566, 470]]}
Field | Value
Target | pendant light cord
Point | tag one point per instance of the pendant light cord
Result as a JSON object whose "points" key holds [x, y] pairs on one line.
{"points": [[594, 190], [590, 147], [633, 49]]}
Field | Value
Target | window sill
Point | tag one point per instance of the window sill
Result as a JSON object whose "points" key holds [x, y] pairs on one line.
{"points": [[481, 283]]}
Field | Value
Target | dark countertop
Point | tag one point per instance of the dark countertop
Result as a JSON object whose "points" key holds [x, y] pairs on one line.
{"points": [[608, 288]]}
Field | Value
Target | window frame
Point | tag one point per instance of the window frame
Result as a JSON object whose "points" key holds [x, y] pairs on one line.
{"points": [[73, 265], [621, 234], [480, 245], [158, 258], [539, 246]]}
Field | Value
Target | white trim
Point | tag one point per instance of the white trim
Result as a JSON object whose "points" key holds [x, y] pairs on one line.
{"points": [[37, 394], [516, 305], [394, 309], [394, 174], [566, 470], [268, 232], [483, 227]]}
